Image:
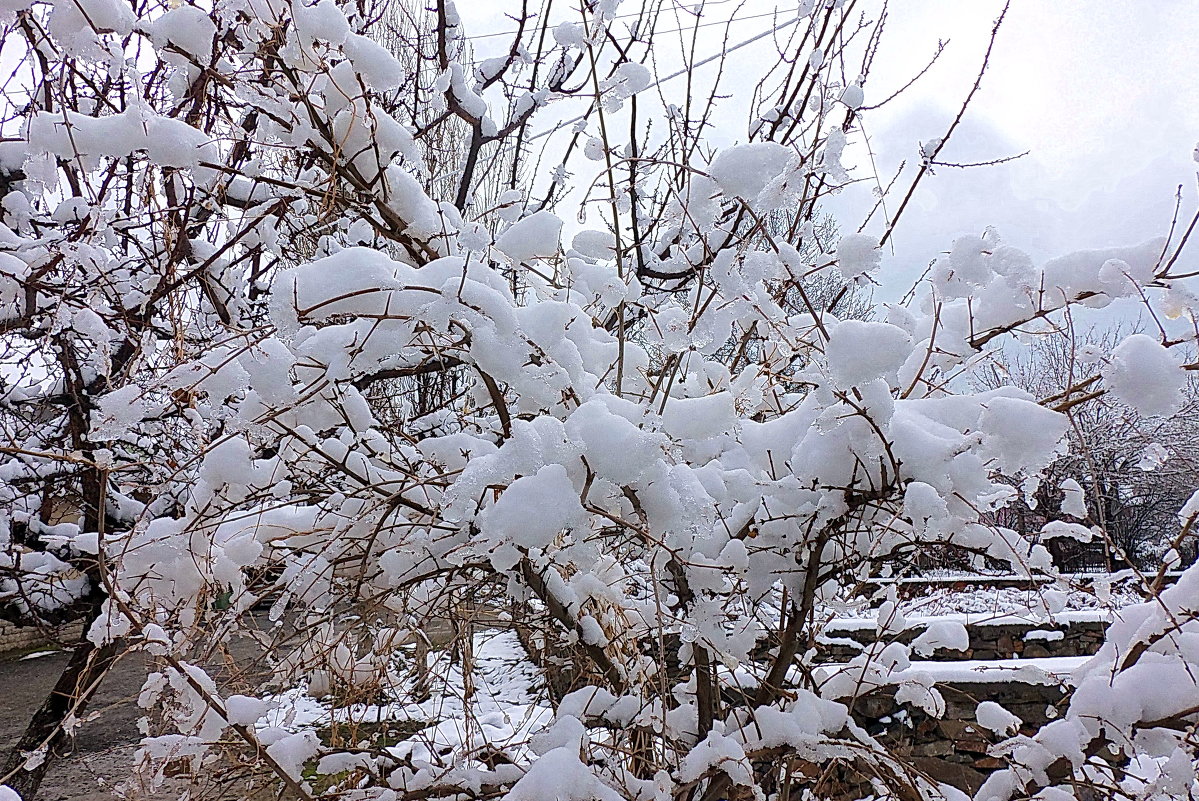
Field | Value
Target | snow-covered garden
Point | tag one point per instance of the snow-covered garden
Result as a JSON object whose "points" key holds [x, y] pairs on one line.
{"points": [[443, 420]]}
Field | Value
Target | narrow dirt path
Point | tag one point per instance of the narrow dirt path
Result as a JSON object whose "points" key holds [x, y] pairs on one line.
{"points": [[104, 744], [99, 765]]}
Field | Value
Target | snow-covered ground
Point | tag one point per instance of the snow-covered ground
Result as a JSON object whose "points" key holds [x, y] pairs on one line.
{"points": [[982, 601], [504, 704], [503, 707]]}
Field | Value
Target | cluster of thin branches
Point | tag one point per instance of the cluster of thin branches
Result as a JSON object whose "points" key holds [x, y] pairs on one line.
{"points": [[185, 186]]}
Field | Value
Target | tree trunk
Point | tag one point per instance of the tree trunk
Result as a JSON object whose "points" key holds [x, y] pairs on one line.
{"points": [[75, 687]]}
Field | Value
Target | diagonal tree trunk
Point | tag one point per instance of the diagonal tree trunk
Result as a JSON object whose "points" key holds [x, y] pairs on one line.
{"points": [[74, 689]]}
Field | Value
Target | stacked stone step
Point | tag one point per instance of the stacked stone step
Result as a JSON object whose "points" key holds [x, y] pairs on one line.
{"points": [[1004, 638]]}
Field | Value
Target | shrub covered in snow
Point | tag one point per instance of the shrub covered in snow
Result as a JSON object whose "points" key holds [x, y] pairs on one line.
{"points": [[291, 322]]}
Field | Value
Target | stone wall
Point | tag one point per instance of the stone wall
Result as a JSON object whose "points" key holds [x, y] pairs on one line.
{"points": [[953, 748], [1004, 639], [918, 586], [15, 640], [950, 748]]}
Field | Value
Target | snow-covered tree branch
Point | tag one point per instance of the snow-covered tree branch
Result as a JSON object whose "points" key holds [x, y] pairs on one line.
{"points": [[322, 334]]}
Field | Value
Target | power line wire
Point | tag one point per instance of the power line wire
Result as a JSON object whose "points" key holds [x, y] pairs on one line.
{"points": [[724, 52], [672, 30]]}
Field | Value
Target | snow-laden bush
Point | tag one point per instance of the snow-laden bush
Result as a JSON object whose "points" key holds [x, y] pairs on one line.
{"points": [[290, 323]]}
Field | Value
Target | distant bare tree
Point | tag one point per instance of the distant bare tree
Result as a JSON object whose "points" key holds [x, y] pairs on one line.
{"points": [[1135, 472]]}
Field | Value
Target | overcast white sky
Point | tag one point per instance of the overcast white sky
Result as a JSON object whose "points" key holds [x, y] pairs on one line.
{"points": [[1104, 94]]}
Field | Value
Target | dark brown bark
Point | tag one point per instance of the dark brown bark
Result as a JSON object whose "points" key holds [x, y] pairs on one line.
{"points": [[71, 694]]}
